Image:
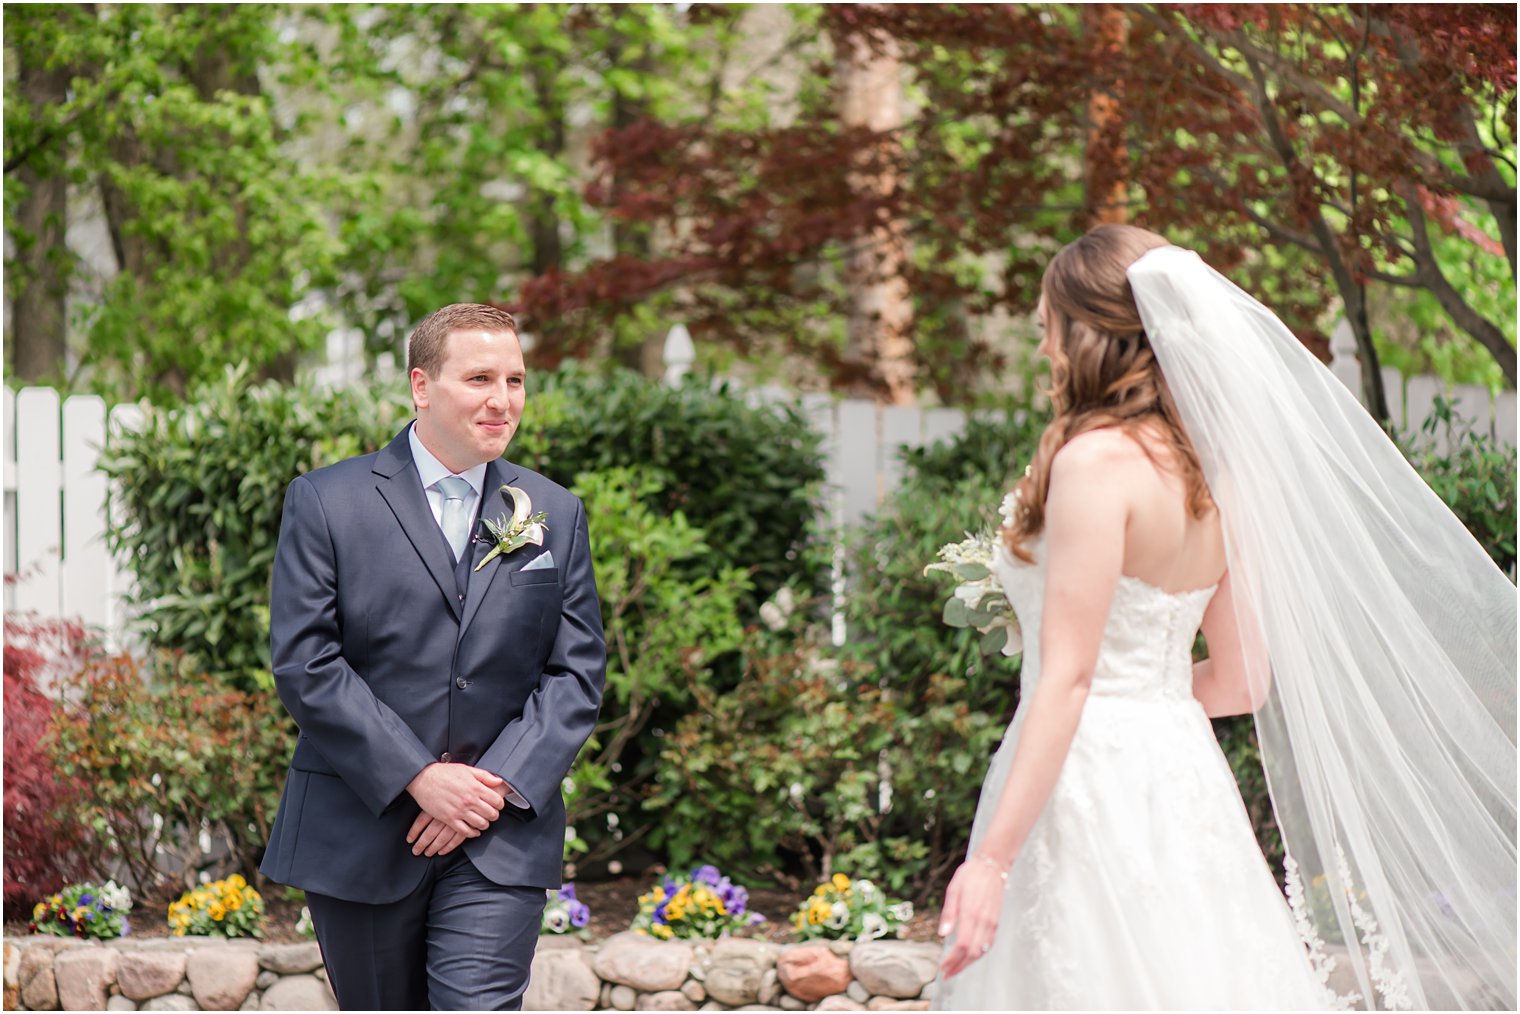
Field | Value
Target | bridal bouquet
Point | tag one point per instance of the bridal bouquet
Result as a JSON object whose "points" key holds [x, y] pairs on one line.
{"points": [[87, 911], [978, 600], [704, 906], [845, 909], [565, 913]]}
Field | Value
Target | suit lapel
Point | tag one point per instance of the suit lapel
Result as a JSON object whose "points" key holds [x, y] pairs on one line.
{"points": [[397, 481], [498, 474]]}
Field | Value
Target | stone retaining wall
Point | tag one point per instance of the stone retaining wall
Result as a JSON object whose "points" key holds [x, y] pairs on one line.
{"points": [[623, 972]]}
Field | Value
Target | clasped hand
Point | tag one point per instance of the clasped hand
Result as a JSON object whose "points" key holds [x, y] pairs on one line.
{"points": [[458, 802]]}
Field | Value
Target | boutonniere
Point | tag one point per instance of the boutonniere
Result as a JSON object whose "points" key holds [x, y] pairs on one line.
{"points": [[525, 528]]}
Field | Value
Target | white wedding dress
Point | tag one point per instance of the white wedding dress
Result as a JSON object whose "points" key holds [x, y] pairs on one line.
{"points": [[1141, 885]]}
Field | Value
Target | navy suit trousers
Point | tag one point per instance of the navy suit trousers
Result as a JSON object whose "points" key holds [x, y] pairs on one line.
{"points": [[458, 942]]}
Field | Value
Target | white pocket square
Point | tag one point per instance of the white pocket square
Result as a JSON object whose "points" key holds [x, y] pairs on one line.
{"points": [[543, 561]]}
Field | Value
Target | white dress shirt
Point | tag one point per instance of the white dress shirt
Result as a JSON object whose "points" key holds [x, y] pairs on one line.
{"points": [[430, 470]]}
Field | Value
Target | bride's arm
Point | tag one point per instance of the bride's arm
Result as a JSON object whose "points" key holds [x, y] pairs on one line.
{"points": [[1222, 681], [1085, 519]]}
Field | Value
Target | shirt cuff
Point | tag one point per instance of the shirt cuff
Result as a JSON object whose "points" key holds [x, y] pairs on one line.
{"points": [[514, 797]]}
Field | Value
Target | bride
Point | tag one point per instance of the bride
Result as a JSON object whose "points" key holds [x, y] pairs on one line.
{"points": [[1204, 471]]}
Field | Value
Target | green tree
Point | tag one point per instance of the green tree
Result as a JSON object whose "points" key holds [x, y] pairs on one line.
{"points": [[166, 126]]}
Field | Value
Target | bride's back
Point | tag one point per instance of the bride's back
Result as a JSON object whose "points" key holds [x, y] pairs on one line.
{"points": [[1164, 544]]}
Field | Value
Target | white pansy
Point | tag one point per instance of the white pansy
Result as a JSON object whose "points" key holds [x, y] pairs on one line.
{"points": [[902, 911], [865, 889], [839, 916], [556, 920], [872, 926], [116, 897]]}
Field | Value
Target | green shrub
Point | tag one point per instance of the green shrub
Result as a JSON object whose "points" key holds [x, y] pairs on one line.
{"points": [[747, 476], [1475, 476], [663, 629], [181, 748], [808, 767], [196, 512], [893, 610]]}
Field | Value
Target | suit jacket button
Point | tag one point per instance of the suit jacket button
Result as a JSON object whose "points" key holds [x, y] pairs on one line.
{"points": [[461, 682], [446, 757]]}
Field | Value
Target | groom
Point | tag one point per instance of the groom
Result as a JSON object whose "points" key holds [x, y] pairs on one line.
{"points": [[441, 696]]}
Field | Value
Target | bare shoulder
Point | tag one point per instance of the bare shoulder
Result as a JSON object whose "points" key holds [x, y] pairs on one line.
{"points": [[1094, 454]]}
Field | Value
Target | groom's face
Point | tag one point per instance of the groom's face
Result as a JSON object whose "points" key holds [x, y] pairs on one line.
{"points": [[469, 412]]}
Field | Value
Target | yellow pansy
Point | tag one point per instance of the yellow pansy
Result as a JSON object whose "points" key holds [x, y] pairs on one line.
{"points": [[237, 881], [822, 890], [217, 911], [234, 902], [841, 882]]}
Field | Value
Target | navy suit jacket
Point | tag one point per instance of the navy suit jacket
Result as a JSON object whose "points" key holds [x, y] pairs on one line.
{"points": [[385, 670]]}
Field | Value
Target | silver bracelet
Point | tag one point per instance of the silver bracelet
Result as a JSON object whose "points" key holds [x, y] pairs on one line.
{"points": [[991, 862]]}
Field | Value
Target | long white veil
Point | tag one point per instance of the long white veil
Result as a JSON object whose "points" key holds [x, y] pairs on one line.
{"points": [[1387, 656]]}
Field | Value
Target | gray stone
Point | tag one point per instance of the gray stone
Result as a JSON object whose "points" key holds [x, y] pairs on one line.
{"points": [[649, 966], [560, 942], [757, 1006], [39, 990], [842, 947], [790, 1002], [561, 979], [893, 968], [120, 1003], [299, 992], [145, 974], [266, 979], [665, 999], [183, 989], [252, 1002], [855, 991], [887, 1003], [605, 999], [839, 1001], [770, 986], [623, 997], [221, 977], [290, 959], [735, 970], [12, 964], [84, 976], [694, 990], [927, 993], [174, 1001], [34, 974]]}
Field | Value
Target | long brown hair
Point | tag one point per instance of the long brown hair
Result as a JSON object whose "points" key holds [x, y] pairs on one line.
{"points": [[1102, 370]]}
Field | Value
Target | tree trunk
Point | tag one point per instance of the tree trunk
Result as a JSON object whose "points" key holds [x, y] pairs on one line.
{"points": [[646, 352], [38, 331], [543, 219], [880, 322], [1107, 31]]}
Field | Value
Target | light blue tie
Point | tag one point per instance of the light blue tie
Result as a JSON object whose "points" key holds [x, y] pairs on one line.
{"points": [[456, 516]]}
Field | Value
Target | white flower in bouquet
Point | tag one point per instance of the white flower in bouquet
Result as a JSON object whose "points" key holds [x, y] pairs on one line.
{"points": [[839, 916], [556, 920], [902, 911], [867, 890], [978, 600]]}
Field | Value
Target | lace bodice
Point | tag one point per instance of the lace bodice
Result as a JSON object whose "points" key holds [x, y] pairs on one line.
{"points": [[1147, 643]]}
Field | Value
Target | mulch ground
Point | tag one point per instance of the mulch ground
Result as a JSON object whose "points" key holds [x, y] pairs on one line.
{"points": [[613, 905]]}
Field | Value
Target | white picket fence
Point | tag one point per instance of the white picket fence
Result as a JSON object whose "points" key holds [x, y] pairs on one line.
{"points": [[57, 502]]}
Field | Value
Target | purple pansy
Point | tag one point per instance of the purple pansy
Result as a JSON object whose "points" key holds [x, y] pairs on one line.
{"points": [[580, 914], [707, 874]]}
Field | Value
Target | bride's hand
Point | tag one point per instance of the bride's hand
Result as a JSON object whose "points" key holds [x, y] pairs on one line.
{"points": [[973, 903]]}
